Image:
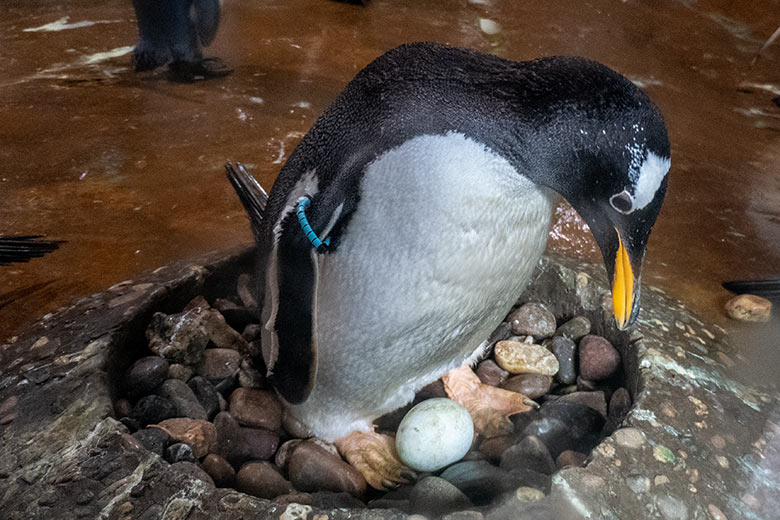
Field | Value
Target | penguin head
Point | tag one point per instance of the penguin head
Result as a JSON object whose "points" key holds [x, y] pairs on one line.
{"points": [[614, 173]]}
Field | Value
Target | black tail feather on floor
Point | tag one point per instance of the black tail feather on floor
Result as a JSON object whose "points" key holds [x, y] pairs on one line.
{"points": [[769, 288], [15, 249], [253, 196]]}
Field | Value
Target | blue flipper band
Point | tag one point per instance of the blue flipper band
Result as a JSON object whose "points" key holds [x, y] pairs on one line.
{"points": [[308, 231]]}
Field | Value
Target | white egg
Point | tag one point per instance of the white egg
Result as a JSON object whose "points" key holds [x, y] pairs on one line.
{"points": [[434, 434]]}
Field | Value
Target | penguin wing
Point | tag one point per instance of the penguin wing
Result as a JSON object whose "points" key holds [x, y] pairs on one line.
{"points": [[292, 360], [206, 16]]}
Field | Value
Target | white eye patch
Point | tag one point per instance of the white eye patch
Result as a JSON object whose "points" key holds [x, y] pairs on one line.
{"points": [[651, 174]]}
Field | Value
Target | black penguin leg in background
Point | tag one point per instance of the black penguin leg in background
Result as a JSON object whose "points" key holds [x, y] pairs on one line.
{"points": [[174, 32]]}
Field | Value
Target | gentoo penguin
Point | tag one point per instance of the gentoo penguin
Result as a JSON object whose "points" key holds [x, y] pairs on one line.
{"points": [[16, 249], [173, 31], [410, 217]]}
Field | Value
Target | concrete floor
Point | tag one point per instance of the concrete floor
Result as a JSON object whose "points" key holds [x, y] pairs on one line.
{"points": [[129, 168]]}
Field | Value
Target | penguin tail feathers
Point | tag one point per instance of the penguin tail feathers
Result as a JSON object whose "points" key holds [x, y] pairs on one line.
{"points": [[147, 57], [18, 249], [253, 197], [206, 16]]}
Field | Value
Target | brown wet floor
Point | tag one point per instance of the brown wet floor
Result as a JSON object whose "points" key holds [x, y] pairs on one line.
{"points": [[129, 169]]}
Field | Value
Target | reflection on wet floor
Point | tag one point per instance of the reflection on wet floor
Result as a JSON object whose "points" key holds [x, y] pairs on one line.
{"points": [[129, 168]]}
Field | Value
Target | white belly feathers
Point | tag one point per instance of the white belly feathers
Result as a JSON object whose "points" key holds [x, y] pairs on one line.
{"points": [[444, 239]]}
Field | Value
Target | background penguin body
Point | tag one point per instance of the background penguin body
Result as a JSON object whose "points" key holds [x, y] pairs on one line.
{"points": [[433, 176], [174, 31]]}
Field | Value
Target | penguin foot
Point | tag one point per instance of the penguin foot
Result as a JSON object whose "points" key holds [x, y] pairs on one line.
{"points": [[489, 406], [191, 71], [375, 457]]}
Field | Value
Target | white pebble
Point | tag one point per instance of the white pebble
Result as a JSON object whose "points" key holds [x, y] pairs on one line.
{"points": [[434, 434]]}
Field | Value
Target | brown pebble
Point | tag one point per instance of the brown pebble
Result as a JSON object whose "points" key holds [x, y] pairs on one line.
{"points": [[285, 450], [494, 447], [532, 319], [749, 307], [490, 373], [312, 468], [598, 358], [260, 479], [122, 408], [530, 385], [219, 363], [261, 444], [620, 404], [180, 372], [256, 408], [200, 434], [219, 470], [594, 400], [570, 458]]}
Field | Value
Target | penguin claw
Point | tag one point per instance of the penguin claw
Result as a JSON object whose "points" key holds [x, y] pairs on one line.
{"points": [[490, 407], [375, 457]]}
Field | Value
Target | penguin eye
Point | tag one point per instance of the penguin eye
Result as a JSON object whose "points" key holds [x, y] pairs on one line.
{"points": [[622, 202]]}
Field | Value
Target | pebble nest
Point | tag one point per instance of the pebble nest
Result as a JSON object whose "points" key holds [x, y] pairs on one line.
{"points": [[196, 399]]}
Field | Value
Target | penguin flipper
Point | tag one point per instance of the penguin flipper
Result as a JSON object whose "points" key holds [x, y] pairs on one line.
{"points": [[253, 197], [769, 288], [297, 262], [18, 249], [207, 16]]}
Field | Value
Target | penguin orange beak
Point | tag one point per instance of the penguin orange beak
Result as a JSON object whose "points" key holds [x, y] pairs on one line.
{"points": [[623, 287]]}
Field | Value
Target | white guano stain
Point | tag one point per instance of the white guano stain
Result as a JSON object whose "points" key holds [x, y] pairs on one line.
{"points": [[62, 25]]}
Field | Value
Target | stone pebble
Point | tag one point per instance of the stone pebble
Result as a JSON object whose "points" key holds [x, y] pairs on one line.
{"points": [[520, 358], [532, 386], [153, 439], [183, 398], [261, 480], [206, 394], [219, 363], [749, 308], [200, 434], [532, 319], [178, 337], [575, 328], [481, 481], [151, 409], [598, 358], [490, 373], [433, 497], [179, 371], [565, 350], [313, 468], [122, 408], [530, 453], [594, 400], [180, 452], [145, 375], [220, 470], [330, 500], [238, 444], [256, 408], [570, 458]]}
